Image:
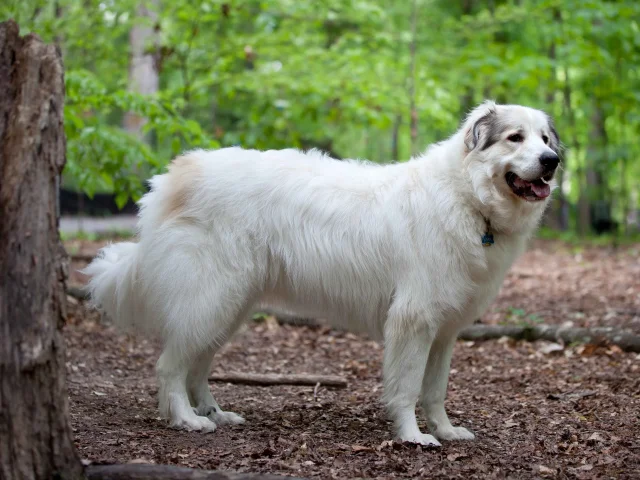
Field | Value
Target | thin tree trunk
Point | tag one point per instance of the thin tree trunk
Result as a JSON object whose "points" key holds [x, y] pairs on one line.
{"points": [[555, 217], [412, 80], [584, 216], [395, 146], [143, 75], [35, 438], [594, 199], [466, 100]]}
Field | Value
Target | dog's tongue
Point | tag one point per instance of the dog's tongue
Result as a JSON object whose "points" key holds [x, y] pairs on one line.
{"points": [[541, 189]]}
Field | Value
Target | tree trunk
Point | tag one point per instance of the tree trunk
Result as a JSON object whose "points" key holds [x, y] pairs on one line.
{"points": [[413, 111], [143, 75], [395, 134], [35, 438], [594, 205], [555, 217]]}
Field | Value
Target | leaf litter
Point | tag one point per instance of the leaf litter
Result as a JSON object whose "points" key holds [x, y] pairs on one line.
{"points": [[538, 410]]}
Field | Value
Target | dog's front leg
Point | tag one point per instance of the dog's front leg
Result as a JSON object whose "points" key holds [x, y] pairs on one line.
{"points": [[405, 356], [434, 389]]}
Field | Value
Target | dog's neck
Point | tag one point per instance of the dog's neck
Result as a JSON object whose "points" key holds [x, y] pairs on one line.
{"points": [[519, 217], [485, 206]]}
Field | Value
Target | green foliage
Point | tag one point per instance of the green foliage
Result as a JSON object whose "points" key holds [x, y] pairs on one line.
{"points": [[105, 157], [578, 241], [336, 75], [112, 235]]}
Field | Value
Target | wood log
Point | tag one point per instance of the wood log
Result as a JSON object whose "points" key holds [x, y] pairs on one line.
{"points": [[82, 257], [276, 379], [35, 437], [627, 341]]}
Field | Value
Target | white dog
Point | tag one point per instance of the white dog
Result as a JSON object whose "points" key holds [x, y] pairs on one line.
{"points": [[407, 252]]}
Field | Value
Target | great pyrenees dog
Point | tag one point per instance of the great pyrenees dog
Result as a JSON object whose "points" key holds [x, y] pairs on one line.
{"points": [[408, 253]]}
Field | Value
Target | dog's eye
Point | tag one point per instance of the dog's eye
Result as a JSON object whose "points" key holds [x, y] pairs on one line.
{"points": [[545, 139], [516, 137]]}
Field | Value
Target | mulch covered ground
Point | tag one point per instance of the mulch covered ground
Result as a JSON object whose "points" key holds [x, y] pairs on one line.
{"points": [[536, 411]]}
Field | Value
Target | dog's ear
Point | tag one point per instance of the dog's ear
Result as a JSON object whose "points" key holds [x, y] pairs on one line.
{"points": [[554, 140], [479, 132]]}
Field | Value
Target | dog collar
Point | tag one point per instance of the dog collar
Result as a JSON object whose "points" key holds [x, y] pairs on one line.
{"points": [[487, 238]]}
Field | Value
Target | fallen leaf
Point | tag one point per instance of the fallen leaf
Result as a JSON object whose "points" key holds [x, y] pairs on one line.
{"points": [[385, 444], [595, 437], [546, 470], [614, 350], [550, 348], [588, 349], [271, 322]]}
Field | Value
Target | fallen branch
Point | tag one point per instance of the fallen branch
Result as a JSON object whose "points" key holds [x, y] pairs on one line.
{"points": [[601, 336], [274, 379], [82, 257], [135, 471]]}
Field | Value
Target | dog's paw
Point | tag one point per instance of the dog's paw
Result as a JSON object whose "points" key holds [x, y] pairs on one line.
{"points": [[198, 424], [218, 416], [421, 438], [229, 418], [454, 433]]}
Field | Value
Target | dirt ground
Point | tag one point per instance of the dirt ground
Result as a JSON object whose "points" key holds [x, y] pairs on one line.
{"points": [[538, 412]]}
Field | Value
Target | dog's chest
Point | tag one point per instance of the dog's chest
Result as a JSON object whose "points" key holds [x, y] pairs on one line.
{"points": [[488, 278]]}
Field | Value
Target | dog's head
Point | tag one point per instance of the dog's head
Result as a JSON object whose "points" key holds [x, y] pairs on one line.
{"points": [[511, 152]]}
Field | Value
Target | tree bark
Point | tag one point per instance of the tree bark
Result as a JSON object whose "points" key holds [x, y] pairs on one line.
{"points": [[35, 438]]}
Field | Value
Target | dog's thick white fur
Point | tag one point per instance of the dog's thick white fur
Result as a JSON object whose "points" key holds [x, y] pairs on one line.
{"points": [[391, 250]]}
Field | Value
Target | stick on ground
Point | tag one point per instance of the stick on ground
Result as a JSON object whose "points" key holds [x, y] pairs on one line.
{"points": [[273, 379]]}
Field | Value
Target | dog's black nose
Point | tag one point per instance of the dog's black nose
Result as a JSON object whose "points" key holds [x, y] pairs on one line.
{"points": [[549, 160]]}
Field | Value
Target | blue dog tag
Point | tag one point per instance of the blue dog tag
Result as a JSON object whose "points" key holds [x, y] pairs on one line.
{"points": [[487, 239]]}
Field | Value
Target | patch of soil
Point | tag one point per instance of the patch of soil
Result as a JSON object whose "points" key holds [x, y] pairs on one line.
{"points": [[554, 284], [563, 414]]}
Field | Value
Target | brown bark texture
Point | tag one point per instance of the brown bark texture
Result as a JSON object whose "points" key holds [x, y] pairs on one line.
{"points": [[35, 437]]}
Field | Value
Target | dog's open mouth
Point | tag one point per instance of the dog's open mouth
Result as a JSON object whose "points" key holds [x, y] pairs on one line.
{"points": [[531, 191]]}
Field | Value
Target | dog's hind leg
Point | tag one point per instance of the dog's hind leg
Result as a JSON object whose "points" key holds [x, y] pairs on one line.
{"points": [[203, 324], [434, 389], [200, 395], [172, 370], [406, 347]]}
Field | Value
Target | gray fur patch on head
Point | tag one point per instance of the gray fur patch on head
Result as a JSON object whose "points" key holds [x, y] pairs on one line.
{"points": [[485, 131]]}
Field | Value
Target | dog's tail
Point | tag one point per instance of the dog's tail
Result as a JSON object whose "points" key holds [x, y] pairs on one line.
{"points": [[112, 286]]}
